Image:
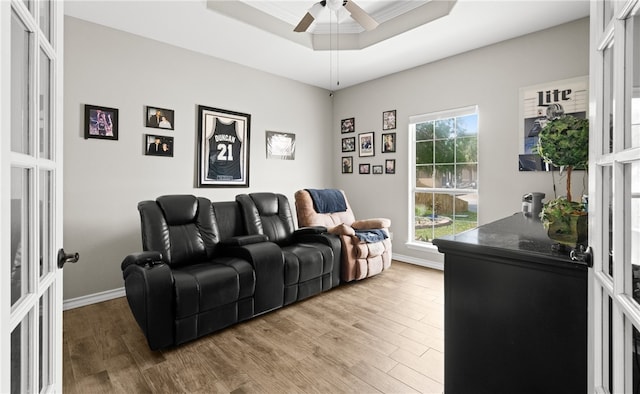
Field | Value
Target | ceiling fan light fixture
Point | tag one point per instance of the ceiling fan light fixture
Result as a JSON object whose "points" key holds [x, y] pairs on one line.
{"points": [[335, 5]]}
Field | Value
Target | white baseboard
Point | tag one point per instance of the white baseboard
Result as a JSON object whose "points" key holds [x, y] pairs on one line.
{"points": [[422, 262], [92, 298], [117, 293]]}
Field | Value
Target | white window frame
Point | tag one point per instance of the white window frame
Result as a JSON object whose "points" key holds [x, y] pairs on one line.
{"points": [[413, 189]]}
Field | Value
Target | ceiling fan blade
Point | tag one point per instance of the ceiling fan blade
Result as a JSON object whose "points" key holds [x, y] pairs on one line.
{"points": [[304, 24], [360, 16], [309, 17]]}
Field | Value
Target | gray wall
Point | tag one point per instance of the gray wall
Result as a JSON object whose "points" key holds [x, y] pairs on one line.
{"points": [[489, 77], [104, 180]]}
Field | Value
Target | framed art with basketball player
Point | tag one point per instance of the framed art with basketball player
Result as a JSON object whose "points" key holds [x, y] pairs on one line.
{"points": [[223, 148], [100, 122]]}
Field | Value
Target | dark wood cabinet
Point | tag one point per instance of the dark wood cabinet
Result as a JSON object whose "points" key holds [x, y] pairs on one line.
{"points": [[515, 312]]}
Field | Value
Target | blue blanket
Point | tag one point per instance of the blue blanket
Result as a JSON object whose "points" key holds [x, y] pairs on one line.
{"points": [[328, 200], [371, 236]]}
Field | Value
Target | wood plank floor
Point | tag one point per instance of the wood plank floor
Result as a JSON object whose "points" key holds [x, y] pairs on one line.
{"points": [[383, 334]]}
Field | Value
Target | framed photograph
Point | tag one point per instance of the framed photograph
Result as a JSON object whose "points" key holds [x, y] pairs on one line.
{"points": [[388, 142], [280, 145], [158, 145], [366, 144], [377, 169], [348, 125], [223, 148], [389, 120], [159, 118], [365, 168], [347, 164], [100, 122], [390, 166], [349, 144]]}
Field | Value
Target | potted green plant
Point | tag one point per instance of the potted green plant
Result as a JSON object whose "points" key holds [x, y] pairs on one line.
{"points": [[564, 142]]}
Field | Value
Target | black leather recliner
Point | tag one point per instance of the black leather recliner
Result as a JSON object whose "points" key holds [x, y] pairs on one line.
{"points": [[311, 256], [199, 272]]}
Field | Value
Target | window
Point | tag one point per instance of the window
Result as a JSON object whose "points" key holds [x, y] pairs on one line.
{"points": [[444, 174]]}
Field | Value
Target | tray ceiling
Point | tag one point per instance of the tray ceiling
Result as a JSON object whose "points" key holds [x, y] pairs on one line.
{"points": [[262, 38]]}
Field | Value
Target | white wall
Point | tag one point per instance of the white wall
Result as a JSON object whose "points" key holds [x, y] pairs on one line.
{"points": [[104, 180], [489, 77]]}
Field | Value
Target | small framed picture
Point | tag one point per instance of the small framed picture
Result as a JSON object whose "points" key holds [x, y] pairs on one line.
{"points": [[390, 166], [365, 168], [349, 144], [100, 122], [347, 164], [389, 120], [377, 169], [366, 144], [159, 118], [348, 125], [388, 142], [158, 145]]}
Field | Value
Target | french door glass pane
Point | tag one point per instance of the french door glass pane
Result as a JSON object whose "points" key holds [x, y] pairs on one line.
{"points": [[20, 240], [634, 140], [607, 213], [45, 107], [608, 101], [20, 70], [20, 352], [45, 18], [45, 345], [46, 221], [635, 357], [633, 173]]}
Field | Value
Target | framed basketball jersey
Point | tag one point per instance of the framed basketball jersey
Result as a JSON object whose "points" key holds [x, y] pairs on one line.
{"points": [[223, 148]]}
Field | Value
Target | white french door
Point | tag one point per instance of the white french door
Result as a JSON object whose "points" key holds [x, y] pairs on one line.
{"points": [[31, 38], [614, 196]]}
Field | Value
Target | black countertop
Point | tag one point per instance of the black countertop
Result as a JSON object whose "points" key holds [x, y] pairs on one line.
{"points": [[513, 236]]}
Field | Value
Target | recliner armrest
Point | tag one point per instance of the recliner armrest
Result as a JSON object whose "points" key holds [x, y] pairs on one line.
{"points": [[267, 261], [310, 230], [150, 294], [142, 259], [242, 240], [369, 224]]}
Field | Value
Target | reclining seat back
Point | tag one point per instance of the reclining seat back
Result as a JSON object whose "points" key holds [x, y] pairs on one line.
{"points": [[210, 291], [175, 226], [269, 214], [308, 265]]}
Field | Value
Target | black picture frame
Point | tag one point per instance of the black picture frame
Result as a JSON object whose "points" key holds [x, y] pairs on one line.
{"points": [[347, 164], [364, 168], [159, 118], [389, 120], [376, 170], [227, 165], [388, 142], [390, 166], [158, 145], [100, 122], [349, 144], [348, 125], [366, 144]]}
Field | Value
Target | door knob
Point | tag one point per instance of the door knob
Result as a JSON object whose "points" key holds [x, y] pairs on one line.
{"points": [[67, 258]]}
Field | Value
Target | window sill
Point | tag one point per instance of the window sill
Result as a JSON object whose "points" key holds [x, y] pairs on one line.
{"points": [[423, 246]]}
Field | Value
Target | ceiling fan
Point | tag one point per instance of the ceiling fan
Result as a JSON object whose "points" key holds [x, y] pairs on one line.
{"points": [[357, 13]]}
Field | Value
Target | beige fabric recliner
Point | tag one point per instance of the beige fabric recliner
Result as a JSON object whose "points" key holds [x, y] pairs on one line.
{"points": [[359, 259]]}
